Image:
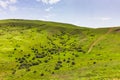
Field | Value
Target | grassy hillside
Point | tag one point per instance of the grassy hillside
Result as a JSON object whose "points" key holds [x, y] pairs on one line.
{"points": [[39, 50]]}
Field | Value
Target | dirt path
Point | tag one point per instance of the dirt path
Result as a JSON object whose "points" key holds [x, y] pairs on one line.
{"points": [[96, 41]]}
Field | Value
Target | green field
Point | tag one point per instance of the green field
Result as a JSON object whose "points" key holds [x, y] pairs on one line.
{"points": [[40, 50]]}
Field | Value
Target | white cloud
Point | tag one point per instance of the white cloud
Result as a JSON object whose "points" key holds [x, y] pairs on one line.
{"points": [[12, 8], [105, 18], [5, 4], [49, 1], [48, 9], [49, 16], [2, 12], [13, 1]]}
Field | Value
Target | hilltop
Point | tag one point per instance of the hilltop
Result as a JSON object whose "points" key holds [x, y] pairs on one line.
{"points": [[43, 50]]}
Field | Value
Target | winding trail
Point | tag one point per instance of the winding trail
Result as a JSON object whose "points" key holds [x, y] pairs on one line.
{"points": [[96, 41]]}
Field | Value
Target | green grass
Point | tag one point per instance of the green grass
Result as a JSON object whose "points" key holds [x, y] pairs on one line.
{"points": [[39, 50]]}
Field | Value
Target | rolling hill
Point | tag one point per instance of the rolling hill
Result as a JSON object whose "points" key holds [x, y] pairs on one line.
{"points": [[43, 50]]}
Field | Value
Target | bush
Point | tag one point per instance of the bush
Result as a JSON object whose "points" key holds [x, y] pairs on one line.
{"points": [[15, 49], [14, 71], [53, 72], [33, 58], [60, 62], [28, 55], [35, 63], [68, 61], [57, 68], [76, 55], [39, 61], [34, 71], [24, 65], [28, 69], [45, 61], [40, 55], [73, 63], [41, 74], [94, 62], [64, 60]]}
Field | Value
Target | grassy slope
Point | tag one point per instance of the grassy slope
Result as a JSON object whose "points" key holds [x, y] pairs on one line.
{"points": [[36, 50]]}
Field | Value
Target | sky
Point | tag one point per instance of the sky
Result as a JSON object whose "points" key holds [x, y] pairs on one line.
{"points": [[87, 13]]}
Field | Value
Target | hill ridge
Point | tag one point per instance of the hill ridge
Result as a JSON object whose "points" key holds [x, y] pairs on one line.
{"points": [[38, 50]]}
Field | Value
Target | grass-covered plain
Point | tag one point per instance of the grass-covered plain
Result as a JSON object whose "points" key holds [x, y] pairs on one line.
{"points": [[39, 50]]}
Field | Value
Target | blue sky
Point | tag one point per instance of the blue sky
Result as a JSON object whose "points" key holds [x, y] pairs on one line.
{"points": [[89, 13]]}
